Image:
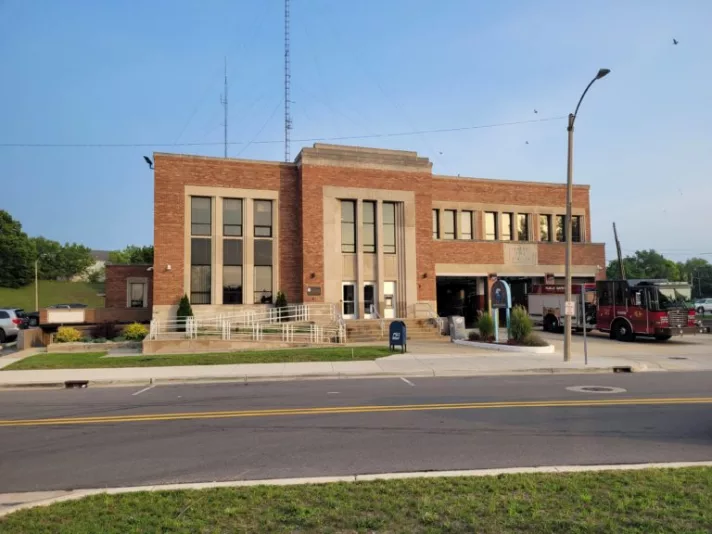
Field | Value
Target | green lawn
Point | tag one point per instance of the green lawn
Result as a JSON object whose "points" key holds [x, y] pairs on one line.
{"points": [[51, 292], [644, 502], [89, 360]]}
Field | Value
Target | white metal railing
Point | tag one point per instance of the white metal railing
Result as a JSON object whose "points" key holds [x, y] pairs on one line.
{"points": [[427, 309], [374, 312], [318, 324]]}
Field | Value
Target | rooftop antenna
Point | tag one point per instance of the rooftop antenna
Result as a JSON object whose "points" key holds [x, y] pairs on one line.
{"points": [[223, 101], [287, 82]]}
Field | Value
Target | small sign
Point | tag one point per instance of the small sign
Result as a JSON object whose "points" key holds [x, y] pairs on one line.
{"points": [[570, 307], [313, 291], [500, 295]]}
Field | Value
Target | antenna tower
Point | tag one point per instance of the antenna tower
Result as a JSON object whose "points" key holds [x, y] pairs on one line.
{"points": [[223, 101], [287, 83]]}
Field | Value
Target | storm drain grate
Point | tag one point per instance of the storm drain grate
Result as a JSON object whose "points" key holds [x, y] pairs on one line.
{"points": [[71, 384], [676, 358], [595, 389]]}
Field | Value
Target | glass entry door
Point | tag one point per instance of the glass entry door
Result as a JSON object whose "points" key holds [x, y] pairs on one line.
{"points": [[369, 300], [348, 300]]}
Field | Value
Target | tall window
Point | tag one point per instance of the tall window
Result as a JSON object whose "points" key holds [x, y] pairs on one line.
{"points": [[263, 218], [560, 228], [232, 217], [232, 271], [507, 226], [523, 227], [263, 271], [448, 224], [466, 224], [348, 226], [389, 227], [137, 294], [369, 226], [200, 270], [200, 250], [490, 225], [544, 227], [436, 224], [576, 229]]}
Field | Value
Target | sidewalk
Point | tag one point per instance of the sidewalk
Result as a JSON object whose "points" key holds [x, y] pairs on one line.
{"points": [[458, 363]]}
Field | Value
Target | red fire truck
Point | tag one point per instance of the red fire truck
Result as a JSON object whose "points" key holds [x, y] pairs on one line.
{"points": [[622, 308]]}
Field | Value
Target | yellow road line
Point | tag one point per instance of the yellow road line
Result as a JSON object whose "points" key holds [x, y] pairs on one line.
{"points": [[354, 410]]}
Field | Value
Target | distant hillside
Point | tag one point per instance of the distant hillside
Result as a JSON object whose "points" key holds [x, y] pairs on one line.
{"points": [[52, 292]]}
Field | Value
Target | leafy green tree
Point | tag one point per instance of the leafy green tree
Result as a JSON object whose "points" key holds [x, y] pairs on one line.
{"points": [[16, 253], [49, 253], [184, 310], [74, 260], [698, 272], [646, 264], [132, 255]]}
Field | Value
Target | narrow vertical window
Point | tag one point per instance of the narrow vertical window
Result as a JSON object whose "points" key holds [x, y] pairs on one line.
{"points": [[369, 226], [232, 271], [544, 227], [576, 229], [466, 224], [389, 227], [232, 217], [263, 271], [436, 224], [490, 226], [523, 227], [507, 234], [561, 228], [448, 224], [263, 218], [200, 250], [348, 226]]}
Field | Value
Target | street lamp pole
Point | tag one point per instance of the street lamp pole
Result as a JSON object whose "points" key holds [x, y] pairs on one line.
{"points": [[37, 289], [568, 226]]}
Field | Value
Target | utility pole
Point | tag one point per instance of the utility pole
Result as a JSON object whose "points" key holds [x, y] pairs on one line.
{"points": [[223, 101], [621, 266], [37, 287], [287, 86]]}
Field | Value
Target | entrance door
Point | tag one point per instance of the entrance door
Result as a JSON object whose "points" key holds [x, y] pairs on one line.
{"points": [[369, 300], [348, 300], [389, 300]]}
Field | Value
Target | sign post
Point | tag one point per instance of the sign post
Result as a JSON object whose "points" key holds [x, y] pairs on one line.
{"points": [[583, 319], [500, 297]]}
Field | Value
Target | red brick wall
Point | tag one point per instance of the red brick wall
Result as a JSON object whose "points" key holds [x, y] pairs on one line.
{"points": [[174, 172], [115, 285]]}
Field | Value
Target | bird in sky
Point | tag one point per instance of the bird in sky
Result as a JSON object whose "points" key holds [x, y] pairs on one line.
{"points": [[527, 142], [535, 111], [148, 160], [675, 41]]}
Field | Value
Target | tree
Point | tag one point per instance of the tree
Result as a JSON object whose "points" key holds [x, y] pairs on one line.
{"points": [[132, 255], [184, 310], [16, 253], [74, 259], [646, 264], [49, 253], [698, 272]]}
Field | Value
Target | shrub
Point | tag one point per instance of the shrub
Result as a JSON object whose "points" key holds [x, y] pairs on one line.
{"points": [[67, 334], [533, 340], [485, 324], [474, 336], [135, 332], [184, 310], [520, 324], [280, 302], [99, 340], [104, 330]]}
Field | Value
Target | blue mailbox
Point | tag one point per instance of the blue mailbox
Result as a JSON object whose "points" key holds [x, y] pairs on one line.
{"points": [[397, 335]]}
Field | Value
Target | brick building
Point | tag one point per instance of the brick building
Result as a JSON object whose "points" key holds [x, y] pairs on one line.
{"points": [[370, 230]]}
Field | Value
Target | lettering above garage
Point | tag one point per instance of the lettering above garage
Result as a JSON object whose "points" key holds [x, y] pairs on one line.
{"points": [[520, 254]]}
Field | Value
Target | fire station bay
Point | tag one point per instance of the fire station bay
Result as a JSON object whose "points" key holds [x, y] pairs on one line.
{"points": [[371, 231]]}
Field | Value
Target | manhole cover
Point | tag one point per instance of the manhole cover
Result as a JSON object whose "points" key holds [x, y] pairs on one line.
{"points": [[595, 389], [676, 358]]}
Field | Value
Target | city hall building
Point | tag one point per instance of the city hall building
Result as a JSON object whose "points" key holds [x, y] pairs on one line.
{"points": [[371, 231]]}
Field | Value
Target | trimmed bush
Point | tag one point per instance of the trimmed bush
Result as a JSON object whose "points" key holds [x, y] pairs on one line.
{"points": [[520, 324], [67, 334], [135, 332], [474, 336], [280, 302], [184, 310], [485, 324], [533, 340]]}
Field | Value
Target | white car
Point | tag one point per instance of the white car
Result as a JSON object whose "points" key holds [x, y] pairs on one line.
{"points": [[703, 306]]}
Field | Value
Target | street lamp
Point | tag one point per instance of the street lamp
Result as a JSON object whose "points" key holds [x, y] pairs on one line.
{"points": [[37, 287], [569, 198]]}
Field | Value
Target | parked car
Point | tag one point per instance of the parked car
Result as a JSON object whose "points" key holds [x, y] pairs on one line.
{"points": [[703, 305], [12, 320]]}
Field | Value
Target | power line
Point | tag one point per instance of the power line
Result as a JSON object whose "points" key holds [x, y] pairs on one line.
{"points": [[305, 140]]}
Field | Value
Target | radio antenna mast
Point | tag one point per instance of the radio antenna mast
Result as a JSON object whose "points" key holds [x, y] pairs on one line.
{"points": [[287, 84], [223, 101]]}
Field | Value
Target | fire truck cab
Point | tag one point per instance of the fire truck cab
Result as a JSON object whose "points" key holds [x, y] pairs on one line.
{"points": [[626, 309]]}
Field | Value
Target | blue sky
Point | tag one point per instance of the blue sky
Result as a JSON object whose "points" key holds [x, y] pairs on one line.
{"points": [[85, 72]]}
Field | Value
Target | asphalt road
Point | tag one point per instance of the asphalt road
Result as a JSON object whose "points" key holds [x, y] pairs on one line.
{"points": [[188, 433]]}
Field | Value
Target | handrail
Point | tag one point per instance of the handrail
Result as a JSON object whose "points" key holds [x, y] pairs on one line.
{"points": [[430, 314], [374, 311]]}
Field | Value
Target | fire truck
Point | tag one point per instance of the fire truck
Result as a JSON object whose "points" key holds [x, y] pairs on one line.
{"points": [[623, 308]]}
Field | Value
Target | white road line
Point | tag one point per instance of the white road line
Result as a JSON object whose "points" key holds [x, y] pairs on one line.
{"points": [[144, 389], [407, 381], [332, 392]]}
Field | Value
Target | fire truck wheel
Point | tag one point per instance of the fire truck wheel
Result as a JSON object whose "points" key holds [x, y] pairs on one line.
{"points": [[700, 310], [662, 338], [623, 331]]}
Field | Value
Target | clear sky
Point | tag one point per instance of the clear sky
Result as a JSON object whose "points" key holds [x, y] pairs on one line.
{"points": [[150, 72]]}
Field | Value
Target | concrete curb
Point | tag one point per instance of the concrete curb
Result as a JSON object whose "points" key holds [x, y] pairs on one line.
{"points": [[445, 373], [549, 349], [13, 502]]}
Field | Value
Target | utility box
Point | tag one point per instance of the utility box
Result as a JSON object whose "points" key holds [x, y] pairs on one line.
{"points": [[397, 335], [456, 326]]}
